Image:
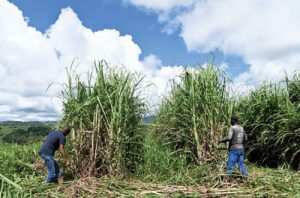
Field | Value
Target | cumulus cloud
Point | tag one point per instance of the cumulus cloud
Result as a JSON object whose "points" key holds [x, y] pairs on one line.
{"points": [[27, 63], [160, 76], [264, 33], [30, 60], [70, 38]]}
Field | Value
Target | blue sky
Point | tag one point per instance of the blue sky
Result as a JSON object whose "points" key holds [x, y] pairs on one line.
{"points": [[128, 19], [253, 41]]}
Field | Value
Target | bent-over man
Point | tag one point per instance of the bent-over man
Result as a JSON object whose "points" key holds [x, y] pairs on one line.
{"points": [[54, 141]]}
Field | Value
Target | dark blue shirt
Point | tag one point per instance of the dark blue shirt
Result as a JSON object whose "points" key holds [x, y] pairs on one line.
{"points": [[52, 142]]}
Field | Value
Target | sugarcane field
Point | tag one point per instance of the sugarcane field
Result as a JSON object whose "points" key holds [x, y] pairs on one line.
{"points": [[149, 99], [113, 152]]}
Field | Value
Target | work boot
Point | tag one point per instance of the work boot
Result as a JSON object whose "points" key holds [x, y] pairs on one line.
{"points": [[60, 180]]}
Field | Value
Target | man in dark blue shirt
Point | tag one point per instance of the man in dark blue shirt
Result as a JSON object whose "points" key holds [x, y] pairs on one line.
{"points": [[54, 141]]}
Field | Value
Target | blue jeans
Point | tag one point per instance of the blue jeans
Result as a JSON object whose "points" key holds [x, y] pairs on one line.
{"points": [[236, 156], [54, 171]]}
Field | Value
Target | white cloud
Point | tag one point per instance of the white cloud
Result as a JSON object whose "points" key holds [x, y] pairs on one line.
{"points": [[159, 76], [31, 60], [165, 10], [70, 38], [161, 6], [264, 33]]}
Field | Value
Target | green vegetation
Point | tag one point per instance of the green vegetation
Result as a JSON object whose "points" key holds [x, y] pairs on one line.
{"points": [[114, 154], [195, 114], [271, 115], [16, 166], [23, 132], [26, 179], [105, 114]]}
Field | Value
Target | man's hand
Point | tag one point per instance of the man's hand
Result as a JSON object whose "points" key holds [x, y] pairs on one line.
{"points": [[62, 152], [44, 139], [68, 162]]}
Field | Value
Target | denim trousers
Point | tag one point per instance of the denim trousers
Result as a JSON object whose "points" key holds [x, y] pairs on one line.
{"points": [[236, 156], [54, 171]]}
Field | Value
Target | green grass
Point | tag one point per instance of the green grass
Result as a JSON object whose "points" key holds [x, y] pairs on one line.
{"points": [[12, 154]]}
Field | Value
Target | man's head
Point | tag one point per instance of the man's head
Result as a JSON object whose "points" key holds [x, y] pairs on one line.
{"points": [[234, 120], [66, 130]]}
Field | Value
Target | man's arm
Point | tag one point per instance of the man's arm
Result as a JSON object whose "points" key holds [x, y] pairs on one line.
{"points": [[63, 154], [228, 138]]}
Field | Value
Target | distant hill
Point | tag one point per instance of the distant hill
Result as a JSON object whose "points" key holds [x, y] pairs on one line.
{"points": [[24, 132], [27, 132], [31, 123]]}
